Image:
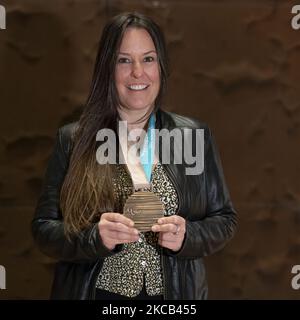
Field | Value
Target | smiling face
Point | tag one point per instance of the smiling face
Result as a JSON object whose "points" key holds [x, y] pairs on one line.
{"points": [[137, 73]]}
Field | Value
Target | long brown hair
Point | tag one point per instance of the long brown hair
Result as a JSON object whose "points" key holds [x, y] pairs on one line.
{"points": [[87, 190]]}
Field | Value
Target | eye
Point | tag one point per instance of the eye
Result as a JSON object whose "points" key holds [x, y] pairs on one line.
{"points": [[149, 59], [123, 60]]}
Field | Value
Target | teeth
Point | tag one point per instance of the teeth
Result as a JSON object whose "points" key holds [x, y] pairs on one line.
{"points": [[137, 86]]}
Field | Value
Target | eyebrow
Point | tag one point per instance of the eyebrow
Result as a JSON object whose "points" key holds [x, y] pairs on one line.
{"points": [[127, 54]]}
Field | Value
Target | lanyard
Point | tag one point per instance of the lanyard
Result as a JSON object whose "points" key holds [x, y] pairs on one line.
{"points": [[147, 152]]}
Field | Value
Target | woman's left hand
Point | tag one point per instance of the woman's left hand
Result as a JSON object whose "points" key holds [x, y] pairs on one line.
{"points": [[171, 231]]}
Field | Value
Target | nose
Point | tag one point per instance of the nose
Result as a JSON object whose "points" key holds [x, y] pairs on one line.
{"points": [[137, 70]]}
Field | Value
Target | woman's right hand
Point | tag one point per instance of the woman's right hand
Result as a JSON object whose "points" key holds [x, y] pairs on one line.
{"points": [[115, 229]]}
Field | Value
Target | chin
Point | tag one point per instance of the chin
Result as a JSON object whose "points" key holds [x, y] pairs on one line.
{"points": [[139, 106]]}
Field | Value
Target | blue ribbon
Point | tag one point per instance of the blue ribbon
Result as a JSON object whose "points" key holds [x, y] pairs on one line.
{"points": [[147, 152]]}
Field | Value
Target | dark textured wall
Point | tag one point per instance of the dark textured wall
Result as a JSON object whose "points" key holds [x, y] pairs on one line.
{"points": [[235, 65]]}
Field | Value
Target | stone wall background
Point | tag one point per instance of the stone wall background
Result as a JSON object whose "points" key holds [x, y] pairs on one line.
{"points": [[235, 65]]}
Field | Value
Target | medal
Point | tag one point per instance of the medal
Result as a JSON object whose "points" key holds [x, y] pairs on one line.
{"points": [[144, 208]]}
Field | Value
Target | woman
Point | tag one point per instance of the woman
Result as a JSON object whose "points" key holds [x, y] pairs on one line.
{"points": [[79, 218]]}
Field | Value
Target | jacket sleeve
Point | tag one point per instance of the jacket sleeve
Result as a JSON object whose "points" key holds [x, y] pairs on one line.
{"points": [[211, 233], [47, 225]]}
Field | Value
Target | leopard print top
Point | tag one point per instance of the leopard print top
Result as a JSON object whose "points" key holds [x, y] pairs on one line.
{"points": [[139, 262]]}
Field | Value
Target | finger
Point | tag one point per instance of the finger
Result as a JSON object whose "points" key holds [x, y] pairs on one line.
{"points": [[126, 241], [170, 227], [120, 236], [117, 217], [107, 226], [120, 227], [171, 219]]}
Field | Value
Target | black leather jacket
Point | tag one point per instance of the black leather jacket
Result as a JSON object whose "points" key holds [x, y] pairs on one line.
{"points": [[203, 201]]}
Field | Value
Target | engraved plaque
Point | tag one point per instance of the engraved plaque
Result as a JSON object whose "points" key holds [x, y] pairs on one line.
{"points": [[144, 208]]}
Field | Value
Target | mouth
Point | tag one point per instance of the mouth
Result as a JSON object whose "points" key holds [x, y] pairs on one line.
{"points": [[137, 87]]}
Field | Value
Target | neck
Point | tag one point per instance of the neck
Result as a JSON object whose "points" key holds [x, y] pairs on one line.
{"points": [[132, 116]]}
